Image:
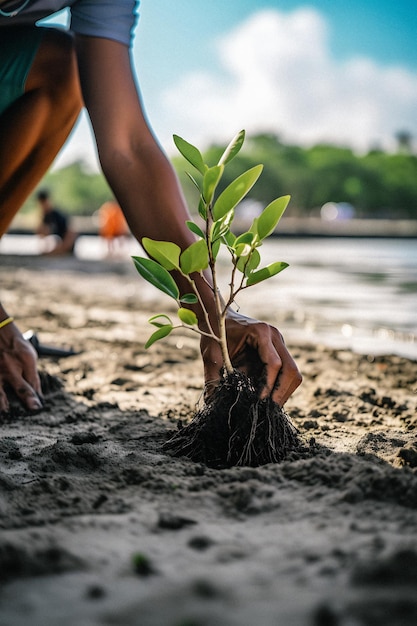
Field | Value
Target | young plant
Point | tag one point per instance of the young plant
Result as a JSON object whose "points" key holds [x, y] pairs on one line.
{"points": [[217, 210]]}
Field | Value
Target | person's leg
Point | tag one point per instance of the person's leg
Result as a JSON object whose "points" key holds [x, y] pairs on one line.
{"points": [[34, 127]]}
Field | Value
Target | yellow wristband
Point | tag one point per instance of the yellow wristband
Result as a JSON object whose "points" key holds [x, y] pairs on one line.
{"points": [[8, 320]]}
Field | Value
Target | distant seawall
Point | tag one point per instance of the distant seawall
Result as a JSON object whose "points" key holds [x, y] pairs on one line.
{"points": [[316, 227], [288, 227]]}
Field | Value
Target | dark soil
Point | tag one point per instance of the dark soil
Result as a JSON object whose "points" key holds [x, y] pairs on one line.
{"points": [[236, 428]]}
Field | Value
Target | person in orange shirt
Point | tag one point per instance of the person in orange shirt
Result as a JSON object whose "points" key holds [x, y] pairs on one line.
{"points": [[112, 225]]}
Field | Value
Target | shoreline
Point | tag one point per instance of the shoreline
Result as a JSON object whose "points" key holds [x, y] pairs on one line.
{"points": [[303, 227]]}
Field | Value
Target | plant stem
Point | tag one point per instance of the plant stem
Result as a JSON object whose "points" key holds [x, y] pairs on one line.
{"points": [[220, 312]]}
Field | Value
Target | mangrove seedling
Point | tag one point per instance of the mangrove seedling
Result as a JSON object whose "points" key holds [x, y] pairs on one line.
{"points": [[234, 427]]}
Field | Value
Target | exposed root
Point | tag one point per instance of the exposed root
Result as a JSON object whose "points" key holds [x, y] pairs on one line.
{"points": [[236, 428]]}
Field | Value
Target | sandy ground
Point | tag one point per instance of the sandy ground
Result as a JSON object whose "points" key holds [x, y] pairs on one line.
{"points": [[100, 527]]}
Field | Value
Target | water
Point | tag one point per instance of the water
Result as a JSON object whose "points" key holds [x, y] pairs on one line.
{"points": [[358, 294]]}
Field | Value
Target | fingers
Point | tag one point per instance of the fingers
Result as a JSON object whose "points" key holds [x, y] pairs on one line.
{"points": [[289, 376], [258, 350], [30, 371], [282, 376], [26, 394], [287, 382], [19, 371]]}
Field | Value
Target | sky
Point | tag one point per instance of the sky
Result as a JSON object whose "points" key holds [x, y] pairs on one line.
{"points": [[313, 71]]}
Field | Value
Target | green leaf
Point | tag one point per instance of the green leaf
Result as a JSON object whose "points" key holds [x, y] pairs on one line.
{"points": [[191, 153], [159, 334], [187, 317], [202, 209], [189, 298], [195, 257], [215, 248], [161, 316], [229, 238], [233, 148], [271, 215], [218, 229], [235, 192], [195, 229], [210, 181], [254, 226], [265, 272], [157, 275], [242, 249], [165, 253], [246, 265], [245, 238]]}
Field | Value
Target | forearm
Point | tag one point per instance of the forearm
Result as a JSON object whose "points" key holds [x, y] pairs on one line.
{"points": [[136, 168], [147, 189]]}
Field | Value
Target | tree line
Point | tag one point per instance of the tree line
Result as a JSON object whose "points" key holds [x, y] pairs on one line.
{"points": [[376, 184]]}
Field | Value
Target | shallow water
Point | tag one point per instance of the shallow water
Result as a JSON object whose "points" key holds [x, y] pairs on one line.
{"points": [[358, 294]]}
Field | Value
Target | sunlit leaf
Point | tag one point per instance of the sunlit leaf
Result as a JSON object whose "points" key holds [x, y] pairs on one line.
{"points": [[154, 320], [265, 272], [246, 265], [242, 249], [189, 298], [236, 191], [159, 334], [191, 153], [233, 148], [219, 228], [195, 257], [270, 216], [195, 229], [210, 181], [157, 275], [187, 317], [164, 252]]}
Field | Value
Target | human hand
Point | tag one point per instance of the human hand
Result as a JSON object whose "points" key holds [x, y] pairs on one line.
{"points": [[257, 349], [18, 369]]}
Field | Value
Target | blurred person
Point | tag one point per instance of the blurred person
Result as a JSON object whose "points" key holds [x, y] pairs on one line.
{"points": [[54, 227], [112, 226], [46, 75]]}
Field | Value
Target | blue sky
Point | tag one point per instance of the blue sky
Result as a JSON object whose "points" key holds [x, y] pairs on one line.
{"points": [[326, 70]]}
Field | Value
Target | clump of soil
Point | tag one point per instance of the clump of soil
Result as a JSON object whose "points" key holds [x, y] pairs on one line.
{"points": [[236, 428]]}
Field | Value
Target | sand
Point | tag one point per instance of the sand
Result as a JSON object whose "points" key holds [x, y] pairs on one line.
{"points": [[99, 527]]}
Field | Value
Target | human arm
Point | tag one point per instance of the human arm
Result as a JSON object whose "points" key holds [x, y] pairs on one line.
{"points": [[147, 189], [17, 367]]}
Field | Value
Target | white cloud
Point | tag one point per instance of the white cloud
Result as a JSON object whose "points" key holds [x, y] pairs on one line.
{"points": [[278, 75]]}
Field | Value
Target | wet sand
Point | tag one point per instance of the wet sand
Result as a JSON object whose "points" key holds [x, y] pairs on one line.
{"points": [[99, 526]]}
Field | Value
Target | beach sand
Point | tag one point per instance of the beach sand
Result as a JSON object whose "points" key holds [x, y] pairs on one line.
{"points": [[98, 526]]}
